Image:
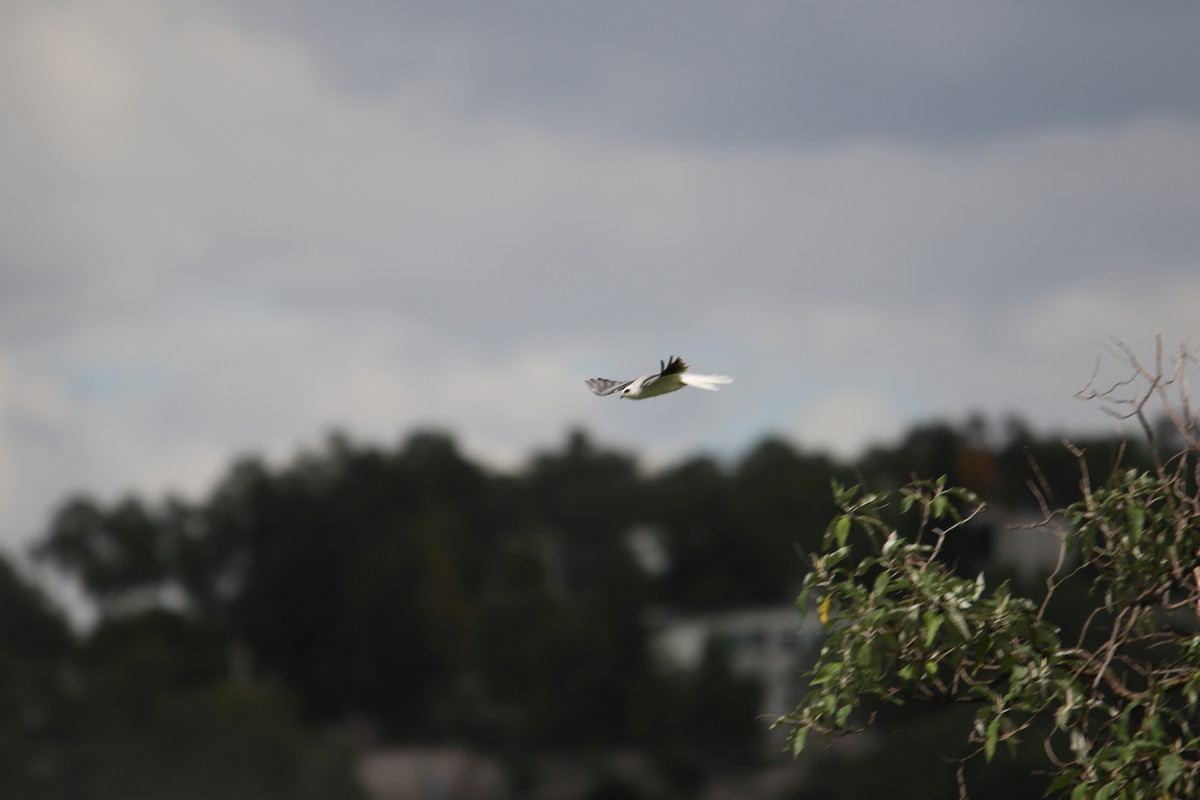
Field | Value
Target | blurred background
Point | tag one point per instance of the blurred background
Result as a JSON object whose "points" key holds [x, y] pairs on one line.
{"points": [[301, 491]]}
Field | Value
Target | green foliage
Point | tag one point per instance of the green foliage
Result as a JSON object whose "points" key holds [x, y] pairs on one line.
{"points": [[904, 627], [1116, 710]]}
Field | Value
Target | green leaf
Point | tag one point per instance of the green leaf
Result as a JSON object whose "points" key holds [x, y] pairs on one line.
{"points": [[939, 505], [842, 495], [966, 495], [989, 742], [932, 623], [1061, 781], [836, 557], [1137, 520], [1106, 791], [957, 620], [799, 737], [1169, 767], [841, 529]]}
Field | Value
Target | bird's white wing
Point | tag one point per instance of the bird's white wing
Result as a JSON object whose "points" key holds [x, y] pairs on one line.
{"points": [[707, 382], [603, 386]]}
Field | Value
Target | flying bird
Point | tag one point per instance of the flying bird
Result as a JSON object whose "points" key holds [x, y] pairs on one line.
{"points": [[672, 375]]}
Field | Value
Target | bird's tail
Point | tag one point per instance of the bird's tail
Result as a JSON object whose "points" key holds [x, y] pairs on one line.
{"points": [[707, 382]]}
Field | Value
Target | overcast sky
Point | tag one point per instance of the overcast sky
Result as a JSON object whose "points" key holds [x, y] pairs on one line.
{"points": [[230, 227]]}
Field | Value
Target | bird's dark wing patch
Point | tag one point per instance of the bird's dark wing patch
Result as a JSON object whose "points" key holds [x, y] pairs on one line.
{"points": [[604, 386], [674, 366]]}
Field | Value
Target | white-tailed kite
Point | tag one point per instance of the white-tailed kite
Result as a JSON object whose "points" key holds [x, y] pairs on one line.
{"points": [[672, 375]]}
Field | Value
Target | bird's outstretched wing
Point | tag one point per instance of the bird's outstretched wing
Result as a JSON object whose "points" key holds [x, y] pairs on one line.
{"points": [[603, 386]]}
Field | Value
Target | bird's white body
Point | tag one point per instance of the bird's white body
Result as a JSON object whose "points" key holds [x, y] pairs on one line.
{"points": [[672, 376]]}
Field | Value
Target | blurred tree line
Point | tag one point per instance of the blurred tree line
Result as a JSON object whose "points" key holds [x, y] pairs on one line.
{"points": [[414, 593]]}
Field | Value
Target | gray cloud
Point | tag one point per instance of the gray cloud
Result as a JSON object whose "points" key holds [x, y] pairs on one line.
{"points": [[232, 229], [773, 73]]}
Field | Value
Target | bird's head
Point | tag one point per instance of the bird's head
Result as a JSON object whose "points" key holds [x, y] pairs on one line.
{"points": [[632, 390]]}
